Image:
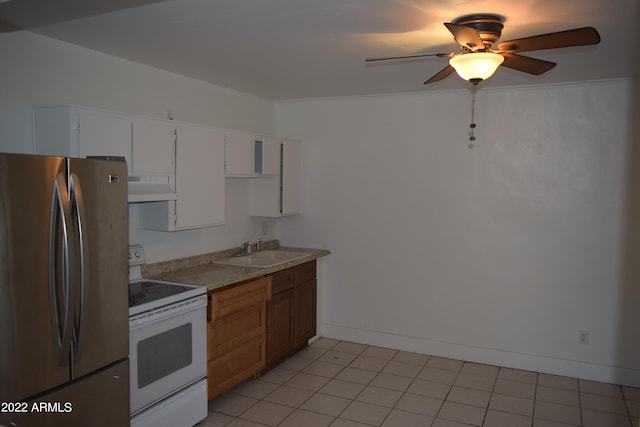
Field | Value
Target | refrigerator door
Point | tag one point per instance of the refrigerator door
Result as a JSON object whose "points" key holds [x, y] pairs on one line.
{"points": [[33, 328], [98, 193], [98, 400]]}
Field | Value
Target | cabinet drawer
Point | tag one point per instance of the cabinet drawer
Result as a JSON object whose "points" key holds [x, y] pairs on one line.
{"points": [[233, 330], [282, 280], [236, 366], [304, 272], [239, 297]]}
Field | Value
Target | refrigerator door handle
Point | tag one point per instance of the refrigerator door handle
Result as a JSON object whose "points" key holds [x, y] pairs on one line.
{"points": [[59, 267], [82, 288]]}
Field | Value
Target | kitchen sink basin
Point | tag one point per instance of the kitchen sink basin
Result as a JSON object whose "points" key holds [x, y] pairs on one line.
{"points": [[262, 259]]}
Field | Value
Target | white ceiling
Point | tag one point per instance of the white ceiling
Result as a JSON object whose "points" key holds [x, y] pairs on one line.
{"points": [[282, 49]]}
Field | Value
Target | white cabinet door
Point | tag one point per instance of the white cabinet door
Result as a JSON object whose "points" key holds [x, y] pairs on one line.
{"points": [[153, 148], [276, 196], [290, 193], [66, 130], [240, 149], [199, 177], [200, 186], [104, 134], [271, 156]]}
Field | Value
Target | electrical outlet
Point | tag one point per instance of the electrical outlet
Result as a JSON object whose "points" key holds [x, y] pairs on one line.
{"points": [[583, 337], [136, 255]]}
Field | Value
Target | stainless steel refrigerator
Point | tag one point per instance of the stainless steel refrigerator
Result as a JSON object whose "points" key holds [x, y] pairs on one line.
{"points": [[63, 292]]}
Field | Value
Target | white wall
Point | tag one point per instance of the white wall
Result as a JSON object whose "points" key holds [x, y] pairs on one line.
{"points": [[40, 70], [500, 254]]}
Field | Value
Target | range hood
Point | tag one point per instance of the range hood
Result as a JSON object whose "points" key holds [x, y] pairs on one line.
{"points": [[149, 188]]}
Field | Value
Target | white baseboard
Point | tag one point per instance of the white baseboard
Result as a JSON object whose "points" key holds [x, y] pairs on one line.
{"points": [[549, 365]]}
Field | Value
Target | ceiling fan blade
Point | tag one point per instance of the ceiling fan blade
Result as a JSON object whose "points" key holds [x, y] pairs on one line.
{"points": [[528, 65], [419, 55], [442, 74], [576, 37], [466, 37]]}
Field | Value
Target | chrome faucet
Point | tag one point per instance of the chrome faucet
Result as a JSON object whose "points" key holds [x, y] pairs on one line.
{"points": [[245, 249]]}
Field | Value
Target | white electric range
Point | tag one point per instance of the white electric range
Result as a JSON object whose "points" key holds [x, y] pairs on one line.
{"points": [[167, 353]]}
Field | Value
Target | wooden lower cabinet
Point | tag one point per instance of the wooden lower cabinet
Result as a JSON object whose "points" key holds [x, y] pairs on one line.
{"points": [[236, 334], [280, 336], [255, 325], [304, 313], [291, 313], [235, 366]]}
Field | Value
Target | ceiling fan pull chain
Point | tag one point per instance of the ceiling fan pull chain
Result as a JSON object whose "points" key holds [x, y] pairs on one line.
{"points": [[472, 137]]}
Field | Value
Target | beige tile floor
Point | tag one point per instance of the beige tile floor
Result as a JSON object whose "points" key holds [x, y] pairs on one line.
{"points": [[343, 384]]}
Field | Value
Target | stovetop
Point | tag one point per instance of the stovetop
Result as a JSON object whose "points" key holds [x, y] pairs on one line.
{"points": [[145, 294]]}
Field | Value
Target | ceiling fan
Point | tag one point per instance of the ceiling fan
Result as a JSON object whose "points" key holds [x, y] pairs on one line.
{"points": [[478, 58]]}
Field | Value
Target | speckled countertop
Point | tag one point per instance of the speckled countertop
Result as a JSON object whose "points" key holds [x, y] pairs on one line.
{"points": [[200, 269]]}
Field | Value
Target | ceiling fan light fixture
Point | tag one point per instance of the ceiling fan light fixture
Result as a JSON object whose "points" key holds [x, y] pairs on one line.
{"points": [[476, 66]]}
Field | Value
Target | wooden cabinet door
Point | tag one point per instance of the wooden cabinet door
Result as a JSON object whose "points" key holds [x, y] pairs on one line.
{"points": [[304, 317], [280, 340], [236, 334], [235, 366]]}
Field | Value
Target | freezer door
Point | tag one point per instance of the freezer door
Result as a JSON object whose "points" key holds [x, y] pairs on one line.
{"points": [[98, 400], [32, 194], [98, 193]]}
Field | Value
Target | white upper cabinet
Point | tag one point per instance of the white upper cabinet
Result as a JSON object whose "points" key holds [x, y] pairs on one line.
{"points": [[276, 196], [249, 156], [146, 144], [290, 178], [104, 134], [268, 156], [200, 177], [153, 148], [153, 169], [200, 186], [240, 152], [80, 132], [177, 170]]}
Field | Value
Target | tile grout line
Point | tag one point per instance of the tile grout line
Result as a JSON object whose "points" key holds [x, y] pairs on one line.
{"points": [[405, 390], [448, 392], [343, 368], [493, 390], [535, 398], [580, 403]]}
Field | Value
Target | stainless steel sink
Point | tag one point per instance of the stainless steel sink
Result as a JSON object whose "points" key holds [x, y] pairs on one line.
{"points": [[262, 259]]}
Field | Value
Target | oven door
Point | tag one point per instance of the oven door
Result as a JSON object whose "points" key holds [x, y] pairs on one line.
{"points": [[168, 351]]}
